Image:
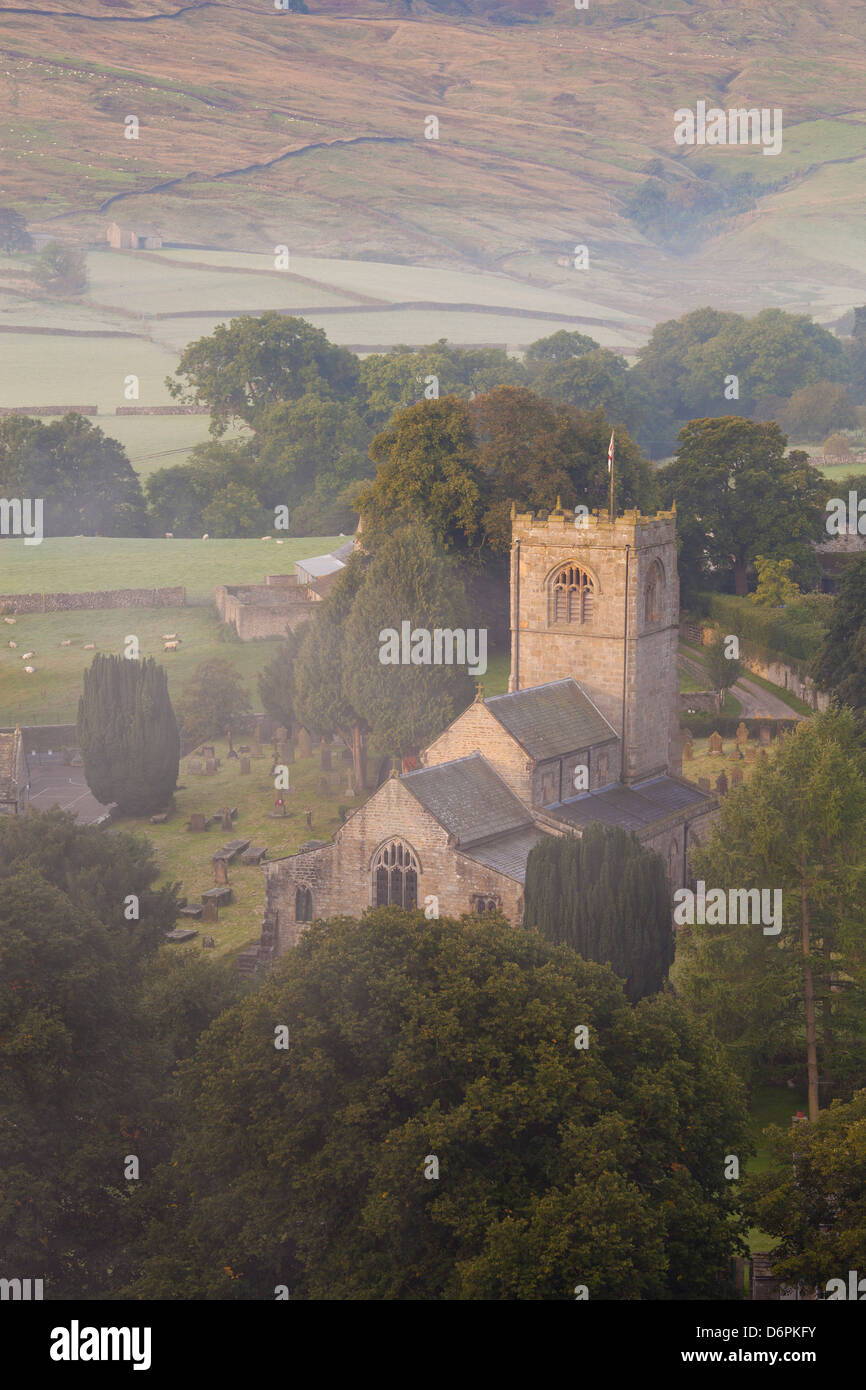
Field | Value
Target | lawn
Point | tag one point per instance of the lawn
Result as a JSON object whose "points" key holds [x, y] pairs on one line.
{"points": [[771, 1105], [75, 564], [50, 695], [185, 857]]}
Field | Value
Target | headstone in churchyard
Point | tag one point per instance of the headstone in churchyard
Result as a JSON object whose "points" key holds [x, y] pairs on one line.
{"points": [[210, 766], [715, 745], [349, 789], [256, 746], [736, 754], [346, 755], [210, 910], [198, 821], [688, 750], [325, 755], [207, 750], [220, 871], [208, 942], [243, 748], [762, 754], [736, 776], [742, 733], [722, 784], [751, 754], [282, 735], [324, 786], [704, 784], [305, 746], [245, 766], [309, 815], [227, 821], [195, 765], [764, 734]]}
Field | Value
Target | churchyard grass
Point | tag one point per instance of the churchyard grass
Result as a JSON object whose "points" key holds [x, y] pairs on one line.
{"points": [[185, 856]]}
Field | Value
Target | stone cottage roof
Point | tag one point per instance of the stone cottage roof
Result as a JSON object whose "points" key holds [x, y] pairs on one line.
{"points": [[550, 720], [634, 808], [468, 799]]}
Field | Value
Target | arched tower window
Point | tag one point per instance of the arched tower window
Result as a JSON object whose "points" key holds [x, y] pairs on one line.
{"points": [[395, 876], [571, 595], [653, 593], [303, 904]]}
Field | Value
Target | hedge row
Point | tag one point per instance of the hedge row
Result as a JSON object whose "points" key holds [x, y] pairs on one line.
{"points": [[791, 634]]}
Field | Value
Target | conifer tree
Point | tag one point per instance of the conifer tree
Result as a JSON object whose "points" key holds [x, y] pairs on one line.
{"points": [[128, 734], [607, 898]]}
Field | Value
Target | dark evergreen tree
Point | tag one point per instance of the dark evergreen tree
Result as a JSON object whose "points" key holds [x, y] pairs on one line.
{"points": [[840, 665], [128, 734], [608, 898], [276, 682]]}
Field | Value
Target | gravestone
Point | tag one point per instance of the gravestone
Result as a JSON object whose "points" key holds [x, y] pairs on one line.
{"points": [[715, 745], [704, 784], [220, 871], [227, 821], [207, 750], [742, 733], [736, 754], [325, 755], [195, 765], [210, 766], [245, 766], [722, 784], [256, 746], [764, 734], [309, 815], [324, 786], [346, 755], [198, 821], [208, 942], [243, 748], [281, 735], [751, 754], [160, 818], [762, 755], [736, 777], [688, 750], [305, 747], [349, 789], [210, 910]]}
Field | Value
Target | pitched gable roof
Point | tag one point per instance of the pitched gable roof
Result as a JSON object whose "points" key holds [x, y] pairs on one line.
{"points": [[550, 720], [467, 798]]}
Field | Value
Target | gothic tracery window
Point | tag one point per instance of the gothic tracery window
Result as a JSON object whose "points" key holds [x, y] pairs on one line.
{"points": [[395, 876], [303, 904], [484, 904], [572, 595]]}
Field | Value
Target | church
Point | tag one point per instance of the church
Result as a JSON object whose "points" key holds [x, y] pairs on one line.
{"points": [[588, 731]]}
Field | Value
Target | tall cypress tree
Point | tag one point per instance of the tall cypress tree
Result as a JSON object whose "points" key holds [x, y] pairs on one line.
{"points": [[608, 898], [128, 735]]}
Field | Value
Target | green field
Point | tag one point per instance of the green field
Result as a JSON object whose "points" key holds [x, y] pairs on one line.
{"points": [[77, 564]]}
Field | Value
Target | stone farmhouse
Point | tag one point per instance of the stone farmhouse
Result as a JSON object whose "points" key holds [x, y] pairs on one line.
{"points": [[588, 731], [14, 774], [284, 600], [125, 239]]}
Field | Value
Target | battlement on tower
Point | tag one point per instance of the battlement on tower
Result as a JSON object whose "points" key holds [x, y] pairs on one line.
{"points": [[560, 527]]}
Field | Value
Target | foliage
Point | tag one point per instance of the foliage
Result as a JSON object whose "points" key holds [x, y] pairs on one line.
{"points": [[14, 235], [840, 664], [413, 1039], [127, 734], [61, 269], [739, 495], [212, 701], [276, 682], [792, 634], [394, 380], [85, 479], [723, 671], [775, 588], [607, 898]]}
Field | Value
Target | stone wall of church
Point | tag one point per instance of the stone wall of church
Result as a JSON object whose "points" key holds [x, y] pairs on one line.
{"points": [[339, 876], [476, 730], [668, 842]]}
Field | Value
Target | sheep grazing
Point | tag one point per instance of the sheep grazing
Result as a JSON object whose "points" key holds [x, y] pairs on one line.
{"points": [[206, 536], [13, 644], [89, 646], [9, 620], [30, 670], [67, 642], [170, 637], [266, 538], [169, 535], [170, 646], [25, 656]]}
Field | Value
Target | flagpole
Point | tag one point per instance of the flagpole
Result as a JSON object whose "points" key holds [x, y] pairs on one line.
{"points": [[610, 471]]}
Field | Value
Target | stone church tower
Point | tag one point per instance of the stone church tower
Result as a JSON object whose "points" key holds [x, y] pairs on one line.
{"points": [[600, 602]]}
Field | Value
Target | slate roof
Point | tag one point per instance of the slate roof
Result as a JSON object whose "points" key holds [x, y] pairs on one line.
{"points": [[549, 720], [468, 798], [319, 565], [634, 808], [507, 853]]}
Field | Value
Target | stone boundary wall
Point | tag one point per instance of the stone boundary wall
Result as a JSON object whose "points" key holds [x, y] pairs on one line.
{"points": [[101, 598], [255, 610], [40, 738], [162, 410], [778, 673], [49, 410]]}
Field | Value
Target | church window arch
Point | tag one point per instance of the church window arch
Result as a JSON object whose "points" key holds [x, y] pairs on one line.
{"points": [[395, 875], [654, 593], [483, 902], [572, 592], [303, 903]]}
